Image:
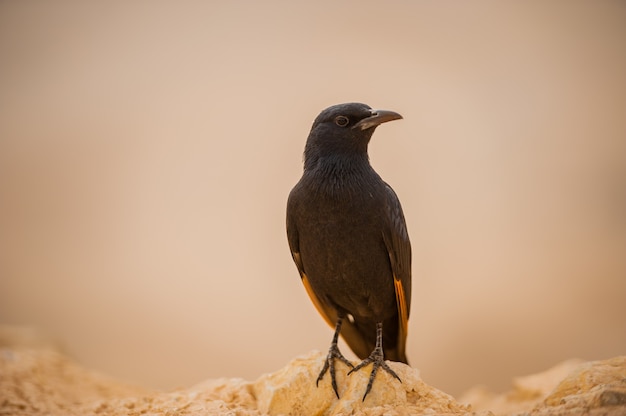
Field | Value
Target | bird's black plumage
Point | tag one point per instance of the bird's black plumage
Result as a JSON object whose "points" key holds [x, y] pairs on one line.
{"points": [[348, 238]]}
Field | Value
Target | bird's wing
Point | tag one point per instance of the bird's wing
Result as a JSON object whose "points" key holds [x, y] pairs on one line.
{"points": [[349, 331], [328, 313], [399, 247]]}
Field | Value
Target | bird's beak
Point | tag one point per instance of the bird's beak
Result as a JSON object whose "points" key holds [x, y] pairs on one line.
{"points": [[377, 117]]}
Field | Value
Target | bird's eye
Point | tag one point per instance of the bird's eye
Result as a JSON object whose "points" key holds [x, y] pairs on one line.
{"points": [[342, 121]]}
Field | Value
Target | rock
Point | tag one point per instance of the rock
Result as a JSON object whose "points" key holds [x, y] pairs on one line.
{"points": [[215, 397], [36, 379], [43, 381], [292, 391], [527, 391], [569, 389], [598, 387]]}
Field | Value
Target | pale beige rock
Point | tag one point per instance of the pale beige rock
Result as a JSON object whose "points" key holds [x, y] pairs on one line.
{"points": [[37, 380], [292, 391], [527, 392], [569, 389], [598, 387], [43, 381], [216, 397]]}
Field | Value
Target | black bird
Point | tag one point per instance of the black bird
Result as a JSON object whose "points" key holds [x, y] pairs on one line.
{"points": [[349, 240]]}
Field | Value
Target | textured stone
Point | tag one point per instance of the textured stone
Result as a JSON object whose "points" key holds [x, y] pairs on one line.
{"points": [[43, 381], [597, 387], [292, 390], [35, 379], [527, 392], [569, 389]]}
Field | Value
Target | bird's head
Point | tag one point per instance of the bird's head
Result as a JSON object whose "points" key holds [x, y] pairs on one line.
{"points": [[344, 130]]}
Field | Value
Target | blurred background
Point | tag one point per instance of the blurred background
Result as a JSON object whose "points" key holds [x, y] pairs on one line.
{"points": [[147, 150]]}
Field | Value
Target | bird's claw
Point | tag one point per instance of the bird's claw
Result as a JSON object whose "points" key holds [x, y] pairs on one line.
{"points": [[329, 365], [378, 360]]}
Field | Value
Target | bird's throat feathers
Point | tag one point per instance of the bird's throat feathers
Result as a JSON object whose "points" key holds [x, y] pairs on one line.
{"points": [[334, 174], [335, 162]]}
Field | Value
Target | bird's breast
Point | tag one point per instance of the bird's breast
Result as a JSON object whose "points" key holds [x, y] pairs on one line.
{"points": [[342, 247]]}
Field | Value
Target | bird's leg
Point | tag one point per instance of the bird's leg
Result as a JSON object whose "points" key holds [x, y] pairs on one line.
{"points": [[333, 353], [377, 357]]}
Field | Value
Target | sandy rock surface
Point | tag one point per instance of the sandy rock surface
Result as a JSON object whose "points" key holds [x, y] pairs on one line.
{"points": [[292, 390], [526, 393], [36, 379], [568, 389]]}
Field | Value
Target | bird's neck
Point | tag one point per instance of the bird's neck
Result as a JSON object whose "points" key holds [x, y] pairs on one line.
{"points": [[339, 177], [337, 164]]}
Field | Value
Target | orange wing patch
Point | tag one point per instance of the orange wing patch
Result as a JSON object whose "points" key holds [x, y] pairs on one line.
{"points": [[403, 312]]}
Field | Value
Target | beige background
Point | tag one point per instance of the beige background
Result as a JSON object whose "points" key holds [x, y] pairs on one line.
{"points": [[147, 150]]}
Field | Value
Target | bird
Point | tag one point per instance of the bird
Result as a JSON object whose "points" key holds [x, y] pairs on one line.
{"points": [[349, 241]]}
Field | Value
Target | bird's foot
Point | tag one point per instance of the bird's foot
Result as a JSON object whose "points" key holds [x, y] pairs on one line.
{"points": [[329, 365], [377, 358]]}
